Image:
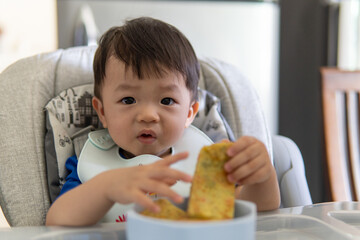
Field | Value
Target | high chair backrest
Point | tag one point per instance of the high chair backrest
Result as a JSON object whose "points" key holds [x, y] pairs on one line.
{"points": [[28, 85], [340, 102]]}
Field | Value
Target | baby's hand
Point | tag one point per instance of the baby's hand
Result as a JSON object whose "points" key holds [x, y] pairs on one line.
{"points": [[130, 185], [249, 163]]}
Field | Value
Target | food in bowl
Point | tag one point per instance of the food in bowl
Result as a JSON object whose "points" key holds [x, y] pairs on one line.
{"points": [[167, 211]]}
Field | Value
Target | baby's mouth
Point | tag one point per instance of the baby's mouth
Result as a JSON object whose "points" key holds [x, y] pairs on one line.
{"points": [[147, 137]]}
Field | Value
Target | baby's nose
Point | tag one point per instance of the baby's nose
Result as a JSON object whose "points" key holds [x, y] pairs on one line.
{"points": [[148, 114]]}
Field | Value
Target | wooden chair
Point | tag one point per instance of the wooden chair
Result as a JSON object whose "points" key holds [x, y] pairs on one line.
{"points": [[341, 104]]}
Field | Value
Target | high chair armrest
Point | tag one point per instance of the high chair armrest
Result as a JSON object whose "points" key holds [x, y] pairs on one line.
{"points": [[289, 166]]}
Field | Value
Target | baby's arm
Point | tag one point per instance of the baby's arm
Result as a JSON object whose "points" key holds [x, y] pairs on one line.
{"points": [[250, 167], [89, 202]]}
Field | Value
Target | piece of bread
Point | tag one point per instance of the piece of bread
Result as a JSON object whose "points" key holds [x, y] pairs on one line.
{"points": [[168, 211], [212, 196]]}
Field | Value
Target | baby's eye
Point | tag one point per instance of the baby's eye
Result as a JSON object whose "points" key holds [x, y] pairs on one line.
{"points": [[167, 101], [128, 100]]}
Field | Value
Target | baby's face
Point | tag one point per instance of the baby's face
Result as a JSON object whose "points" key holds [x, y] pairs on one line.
{"points": [[144, 116]]}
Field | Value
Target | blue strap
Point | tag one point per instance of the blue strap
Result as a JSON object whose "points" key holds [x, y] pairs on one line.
{"points": [[72, 180]]}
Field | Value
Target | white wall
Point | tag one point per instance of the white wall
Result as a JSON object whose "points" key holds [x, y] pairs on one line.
{"points": [[27, 27], [349, 35]]}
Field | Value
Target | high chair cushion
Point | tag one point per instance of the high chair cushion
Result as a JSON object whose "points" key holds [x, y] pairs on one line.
{"points": [[25, 87]]}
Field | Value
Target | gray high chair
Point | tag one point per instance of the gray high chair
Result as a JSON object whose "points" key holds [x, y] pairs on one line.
{"points": [[28, 85]]}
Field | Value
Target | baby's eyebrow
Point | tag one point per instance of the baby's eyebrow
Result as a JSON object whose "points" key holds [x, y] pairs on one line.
{"points": [[170, 87], [126, 87]]}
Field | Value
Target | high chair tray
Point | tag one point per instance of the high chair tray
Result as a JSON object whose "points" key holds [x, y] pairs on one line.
{"points": [[336, 220]]}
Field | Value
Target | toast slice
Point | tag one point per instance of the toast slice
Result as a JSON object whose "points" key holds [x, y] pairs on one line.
{"points": [[212, 196]]}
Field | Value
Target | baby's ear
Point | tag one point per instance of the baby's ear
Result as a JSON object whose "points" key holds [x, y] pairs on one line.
{"points": [[194, 108], [99, 108]]}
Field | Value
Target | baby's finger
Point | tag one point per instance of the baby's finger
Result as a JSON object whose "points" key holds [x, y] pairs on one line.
{"points": [[162, 190], [258, 177], [240, 145], [167, 161], [246, 169], [169, 173], [169, 181], [143, 200], [242, 158]]}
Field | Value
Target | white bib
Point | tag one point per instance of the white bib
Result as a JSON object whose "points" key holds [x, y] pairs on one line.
{"points": [[100, 153]]}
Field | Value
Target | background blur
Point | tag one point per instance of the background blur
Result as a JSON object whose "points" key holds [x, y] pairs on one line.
{"points": [[278, 45], [26, 28]]}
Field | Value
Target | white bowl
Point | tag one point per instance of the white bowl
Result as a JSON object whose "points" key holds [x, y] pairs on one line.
{"points": [[242, 226]]}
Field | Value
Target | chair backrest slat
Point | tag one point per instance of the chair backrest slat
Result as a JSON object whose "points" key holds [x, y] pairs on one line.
{"points": [[353, 141], [340, 101]]}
